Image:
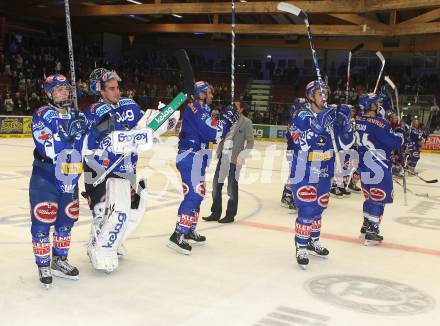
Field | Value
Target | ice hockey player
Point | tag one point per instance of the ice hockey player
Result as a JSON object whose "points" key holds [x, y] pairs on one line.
{"points": [[58, 133], [416, 137], [376, 141], [198, 129], [117, 204], [313, 166], [287, 196]]}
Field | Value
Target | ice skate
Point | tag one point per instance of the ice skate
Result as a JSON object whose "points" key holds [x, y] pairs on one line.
{"points": [[336, 193], [195, 238], [61, 268], [372, 237], [316, 249], [45, 275], [301, 257], [178, 243]]}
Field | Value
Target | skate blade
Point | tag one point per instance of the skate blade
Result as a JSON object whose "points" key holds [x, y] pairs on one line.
{"points": [[303, 267], [362, 236], [47, 287], [316, 254], [175, 247], [335, 196], [62, 275], [372, 243], [292, 211], [195, 243]]}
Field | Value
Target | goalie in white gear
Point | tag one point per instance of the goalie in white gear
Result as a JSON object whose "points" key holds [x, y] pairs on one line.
{"points": [[118, 128]]}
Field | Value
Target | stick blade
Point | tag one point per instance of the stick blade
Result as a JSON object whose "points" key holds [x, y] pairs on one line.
{"points": [[380, 56], [186, 68], [390, 82], [357, 48], [288, 7], [432, 181]]}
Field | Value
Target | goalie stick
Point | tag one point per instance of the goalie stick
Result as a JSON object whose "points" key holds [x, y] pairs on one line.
{"points": [[294, 10], [167, 111], [350, 54]]}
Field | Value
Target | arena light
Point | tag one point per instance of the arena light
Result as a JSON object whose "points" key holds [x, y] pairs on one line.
{"points": [[135, 2], [176, 15]]}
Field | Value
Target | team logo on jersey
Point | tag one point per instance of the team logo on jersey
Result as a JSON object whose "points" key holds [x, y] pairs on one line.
{"points": [[295, 135], [307, 194], [185, 188], [201, 189], [321, 141], [42, 135], [46, 212], [72, 209], [49, 115], [377, 194], [323, 200]]}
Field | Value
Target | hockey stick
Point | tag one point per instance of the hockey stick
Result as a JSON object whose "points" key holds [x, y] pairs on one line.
{"points": [[350, 54], [233, 53], [426, 195], [294, 10], [396, 94], [71, 58], [166, 112], [424, 180], [382, 59]]}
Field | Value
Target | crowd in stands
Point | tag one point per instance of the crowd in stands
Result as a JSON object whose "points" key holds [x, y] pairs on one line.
{"points": [[24, 63]]}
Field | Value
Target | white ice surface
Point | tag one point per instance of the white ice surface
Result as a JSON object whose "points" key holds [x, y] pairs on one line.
{"points": [[246, 274]]}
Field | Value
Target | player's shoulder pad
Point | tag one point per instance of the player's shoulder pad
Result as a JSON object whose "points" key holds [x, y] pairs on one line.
{"points": [[46, 113], [98, 109], [303, 114], [125, 101]]}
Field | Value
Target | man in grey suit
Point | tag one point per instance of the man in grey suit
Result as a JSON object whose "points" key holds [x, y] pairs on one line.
{"points": [[231, 153]]}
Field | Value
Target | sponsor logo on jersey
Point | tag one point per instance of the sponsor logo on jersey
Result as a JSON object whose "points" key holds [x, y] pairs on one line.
{"points": [[46, 212], [303, 231], [60, 242], [377, 194], [38, 125], [323, 200], [295, 135], [132, 137], [113, 235], [306, 194], [127, 115], [316, 225], [376, 122], [185, 188], [185, 221], [201, 189], [103, 110], [72, 209], [49, 115], [71, 168], [304, 114], [41, 248], [127, 167], [319, 156]]}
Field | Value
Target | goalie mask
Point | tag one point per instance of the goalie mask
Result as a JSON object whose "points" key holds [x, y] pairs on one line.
{"points": [[59, 91], [98, 77]]}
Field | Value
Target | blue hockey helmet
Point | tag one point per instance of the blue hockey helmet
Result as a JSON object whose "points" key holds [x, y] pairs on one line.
{"points": [[313, 86], [201, 87], [51, 83], [98, 77], [366, 100]]}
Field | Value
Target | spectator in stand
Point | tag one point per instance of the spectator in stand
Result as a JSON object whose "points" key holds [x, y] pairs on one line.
{"points": [[8, 104]]}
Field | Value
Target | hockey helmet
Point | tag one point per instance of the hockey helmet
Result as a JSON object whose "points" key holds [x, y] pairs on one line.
{"points": [[51, 83], [201, 87], [366, 100], [99, 76], [314, 85]]}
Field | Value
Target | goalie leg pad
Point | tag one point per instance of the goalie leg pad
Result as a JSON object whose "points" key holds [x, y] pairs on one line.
{"points": [[138, 209], [118, 199]]}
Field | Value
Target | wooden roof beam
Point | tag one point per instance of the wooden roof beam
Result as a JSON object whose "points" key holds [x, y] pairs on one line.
{"points": [[425, 18], [262, 29], [360, 20], [385, 5]]}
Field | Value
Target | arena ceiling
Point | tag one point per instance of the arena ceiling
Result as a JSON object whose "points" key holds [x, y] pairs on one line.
{"points": [[411, 21]]}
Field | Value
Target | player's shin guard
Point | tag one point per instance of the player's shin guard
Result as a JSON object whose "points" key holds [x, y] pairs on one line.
{"points": [[61, 241], [41, 248]]}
